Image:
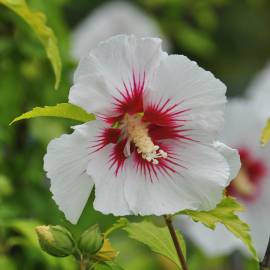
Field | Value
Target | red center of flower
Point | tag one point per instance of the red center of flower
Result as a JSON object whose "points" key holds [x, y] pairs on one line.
{"points": [[144, 131], [247, 184]]}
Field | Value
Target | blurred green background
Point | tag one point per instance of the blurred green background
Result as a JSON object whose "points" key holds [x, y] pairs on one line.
{"points": [[230, 38]]}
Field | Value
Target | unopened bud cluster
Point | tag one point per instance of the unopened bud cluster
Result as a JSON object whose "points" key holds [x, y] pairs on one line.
{"points": [[59, 242]]}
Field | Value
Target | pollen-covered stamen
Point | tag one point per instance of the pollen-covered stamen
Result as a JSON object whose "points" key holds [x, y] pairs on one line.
{"points": [[137, 132]]}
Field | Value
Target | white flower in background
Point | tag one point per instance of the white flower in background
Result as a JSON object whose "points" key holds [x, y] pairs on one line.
{"points": [[113, 18], [251, 187], [151, 150], [259, 92]]}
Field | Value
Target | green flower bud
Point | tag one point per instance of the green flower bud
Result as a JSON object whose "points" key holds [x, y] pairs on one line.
{"points": [[91, 240], [56, 240]]}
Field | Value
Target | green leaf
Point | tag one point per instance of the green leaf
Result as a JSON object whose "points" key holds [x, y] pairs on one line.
{"points": [[64, 110], [265, 137], [224, 213], [37, 21], [158, 239]]}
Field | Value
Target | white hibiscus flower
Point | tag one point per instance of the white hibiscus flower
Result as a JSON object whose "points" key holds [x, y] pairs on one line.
{"points": [[151, 150], [259, 92], [110, 19], [251, 187]]}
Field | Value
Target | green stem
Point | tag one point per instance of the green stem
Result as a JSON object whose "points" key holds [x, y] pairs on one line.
{"points": [[114, 228], [179, 252]]}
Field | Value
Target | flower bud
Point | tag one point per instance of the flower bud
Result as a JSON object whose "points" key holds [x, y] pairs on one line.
{"points": [[55, 240], [91, 240]]}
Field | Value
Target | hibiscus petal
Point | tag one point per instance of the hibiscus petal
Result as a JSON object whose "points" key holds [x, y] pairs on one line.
{"points": [[109, 186], [91, 93], [65, 163], [209, 173], [242, 125], [259, 94], [259, 211], [197, 185], [113, 66], [232, 157], [197, 92]]}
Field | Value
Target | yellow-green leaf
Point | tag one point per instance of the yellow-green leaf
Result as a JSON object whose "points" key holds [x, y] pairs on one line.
{"points": [[64, 110], [224, 213], [158, 239], [265, 137], [37, 21]]}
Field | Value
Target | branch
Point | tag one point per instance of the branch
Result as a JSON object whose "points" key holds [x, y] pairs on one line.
{"points": [[179, 252]]}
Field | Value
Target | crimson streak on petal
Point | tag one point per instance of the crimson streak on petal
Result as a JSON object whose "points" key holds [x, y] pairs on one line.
{"points": [[164, 122]]}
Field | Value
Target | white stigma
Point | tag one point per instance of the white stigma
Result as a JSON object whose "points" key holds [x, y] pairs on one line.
{"points": [[137, 133]]}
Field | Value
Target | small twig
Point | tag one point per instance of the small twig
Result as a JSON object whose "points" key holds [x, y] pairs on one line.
{"points": [[179, 252], [265, 264]]}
